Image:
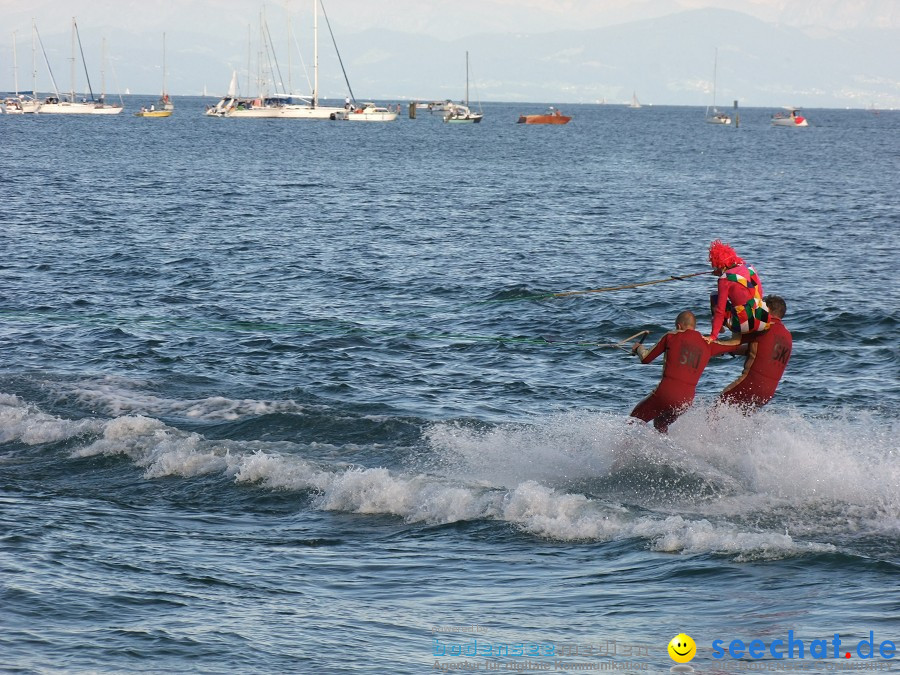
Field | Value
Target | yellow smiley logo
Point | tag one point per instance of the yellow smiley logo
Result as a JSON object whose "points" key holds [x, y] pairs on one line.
{"points": [[682, 648]]}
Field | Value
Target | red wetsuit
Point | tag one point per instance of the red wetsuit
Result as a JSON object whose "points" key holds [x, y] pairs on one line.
{"points": [[687, 354], [767, 357]]}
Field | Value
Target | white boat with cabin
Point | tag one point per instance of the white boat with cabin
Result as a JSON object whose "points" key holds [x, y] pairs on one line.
{"points": [[793, 118], [367, 112]]}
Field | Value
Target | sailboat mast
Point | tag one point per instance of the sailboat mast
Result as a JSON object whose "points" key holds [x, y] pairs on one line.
{"points": [[715, 69], [315, 96], [15, 65], [46, 60], [72, 69], [102, 70], [290, 84], [84, 63], [33, 64], [467, 79], [164, 64]]}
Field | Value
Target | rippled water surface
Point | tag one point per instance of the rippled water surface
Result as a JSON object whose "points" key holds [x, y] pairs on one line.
{"points": [[278, 396]]}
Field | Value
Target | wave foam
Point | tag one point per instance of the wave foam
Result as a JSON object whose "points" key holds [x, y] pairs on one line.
{"points": [[117, 396], [564, 478], [23, 422]]}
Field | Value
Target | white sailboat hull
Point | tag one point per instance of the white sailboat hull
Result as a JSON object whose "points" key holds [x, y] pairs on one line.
{"points": [[68, 108], [18, 107], [304, 112], [254, 113], [721, 118], [460, 114], [282, 111], [472, 118]]}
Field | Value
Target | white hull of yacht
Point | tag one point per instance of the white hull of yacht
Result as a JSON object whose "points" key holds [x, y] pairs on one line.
{"points": [[21, 107], [369, 113], [66, 108], [229, 108], [720, 118], [305, 112]]}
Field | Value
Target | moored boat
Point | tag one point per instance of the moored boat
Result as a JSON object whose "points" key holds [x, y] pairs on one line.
{"points": [[20, 105], [56, 104], [791, 119], [367, 112], [713, 115], [552, 116], [716, 117], [153, 113], [459, 113]]}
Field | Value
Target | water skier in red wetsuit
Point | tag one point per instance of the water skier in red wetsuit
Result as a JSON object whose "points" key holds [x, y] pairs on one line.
{"points": [[738, 303], [686, 354], [767, 357]]}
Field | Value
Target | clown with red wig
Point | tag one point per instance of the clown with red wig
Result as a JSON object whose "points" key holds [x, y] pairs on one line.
{"points": [[738, 305]]}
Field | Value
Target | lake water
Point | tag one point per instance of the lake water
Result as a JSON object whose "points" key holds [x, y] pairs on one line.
{"points": [[275, 396]]}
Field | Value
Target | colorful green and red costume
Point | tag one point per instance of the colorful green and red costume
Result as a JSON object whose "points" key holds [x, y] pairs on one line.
{"points": [[739, 305]]}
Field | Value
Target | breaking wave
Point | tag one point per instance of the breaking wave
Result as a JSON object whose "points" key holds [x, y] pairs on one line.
{"points": [[767, 486]]}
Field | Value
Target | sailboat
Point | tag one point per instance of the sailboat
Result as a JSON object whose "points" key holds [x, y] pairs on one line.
{"points": [[308, 108], [164, 101], [634, 101], [19, 104], [714, 116], [164, 107], [228, 104], [279, 105], [57, 105], [462, 113]]}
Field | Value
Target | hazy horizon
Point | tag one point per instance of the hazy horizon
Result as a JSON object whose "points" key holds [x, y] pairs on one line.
{"points": [[830, 53]]}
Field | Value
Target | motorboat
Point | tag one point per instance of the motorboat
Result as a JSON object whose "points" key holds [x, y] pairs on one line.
{"points": [[367, 112], [552, 116], [434, 106], [153, 113], [792, 118]]}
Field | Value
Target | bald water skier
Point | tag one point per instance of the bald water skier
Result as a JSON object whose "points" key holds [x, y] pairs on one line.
{"points": [[767, 356], [686, 354]]}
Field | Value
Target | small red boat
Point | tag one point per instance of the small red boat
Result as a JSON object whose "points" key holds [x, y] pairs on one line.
{"points": [[552, 116]]}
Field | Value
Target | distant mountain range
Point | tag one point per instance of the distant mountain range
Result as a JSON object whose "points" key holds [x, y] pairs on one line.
{"points": [[666, 60]]}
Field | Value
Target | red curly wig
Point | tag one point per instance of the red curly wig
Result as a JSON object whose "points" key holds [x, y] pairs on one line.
{"points": [[721, 255]]}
